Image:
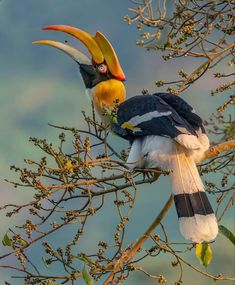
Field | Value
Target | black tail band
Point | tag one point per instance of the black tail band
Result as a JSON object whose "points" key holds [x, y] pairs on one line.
{"points": [[188, 205]]}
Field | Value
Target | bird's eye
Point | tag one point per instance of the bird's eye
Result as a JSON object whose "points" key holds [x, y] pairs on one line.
{"points": [[103, 68]]}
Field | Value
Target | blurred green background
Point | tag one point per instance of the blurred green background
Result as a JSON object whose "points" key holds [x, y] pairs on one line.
{"points": [[39, 85]]}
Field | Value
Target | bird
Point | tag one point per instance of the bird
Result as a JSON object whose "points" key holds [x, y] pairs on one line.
{"points": [[163, 130]]}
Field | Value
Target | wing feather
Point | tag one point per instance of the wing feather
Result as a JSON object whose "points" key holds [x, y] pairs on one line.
{"points": [[150, 115]]}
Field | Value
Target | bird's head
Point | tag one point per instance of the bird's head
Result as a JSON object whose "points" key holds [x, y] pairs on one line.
{"points": [[102, 74]]}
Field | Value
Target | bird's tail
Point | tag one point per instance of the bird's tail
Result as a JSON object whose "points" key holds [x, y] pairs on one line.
{"points": [[196, 218]]}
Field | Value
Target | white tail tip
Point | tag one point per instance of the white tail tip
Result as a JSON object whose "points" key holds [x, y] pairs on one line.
{"points": [[199, 228]]}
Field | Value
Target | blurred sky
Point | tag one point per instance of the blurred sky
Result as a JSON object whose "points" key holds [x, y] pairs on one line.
{"points": [[40, 85]]}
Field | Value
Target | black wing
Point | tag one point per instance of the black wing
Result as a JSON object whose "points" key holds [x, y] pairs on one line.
{"points": [[183, 109], [149, 115]]}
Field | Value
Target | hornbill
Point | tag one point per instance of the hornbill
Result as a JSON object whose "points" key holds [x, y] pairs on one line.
{"points": [[163, 130]]}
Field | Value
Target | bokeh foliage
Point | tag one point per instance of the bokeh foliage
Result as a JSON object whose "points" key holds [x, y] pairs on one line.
{"points": [[71, 184]]}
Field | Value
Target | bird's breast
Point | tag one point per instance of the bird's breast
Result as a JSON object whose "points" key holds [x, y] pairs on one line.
{"points": [[107, 94]]}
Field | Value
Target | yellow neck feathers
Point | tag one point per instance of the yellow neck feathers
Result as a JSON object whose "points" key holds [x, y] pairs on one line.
{"points": [[107, 94]]}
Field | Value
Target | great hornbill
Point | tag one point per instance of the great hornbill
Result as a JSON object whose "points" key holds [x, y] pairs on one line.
{"points": [[164, 131]]}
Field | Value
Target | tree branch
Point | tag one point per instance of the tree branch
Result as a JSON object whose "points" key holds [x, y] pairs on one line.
{"points": [[219, 148], [127, 256], [212, 152]]}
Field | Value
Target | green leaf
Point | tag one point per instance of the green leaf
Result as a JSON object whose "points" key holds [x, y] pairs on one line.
{"points": [[84, 258], [227, 233], [22, 242], [44, 262], [87, 277], [6, 241], [204, 253], [111, 115]]}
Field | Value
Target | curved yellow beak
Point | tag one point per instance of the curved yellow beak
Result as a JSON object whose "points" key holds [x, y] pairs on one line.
{"points": [[99, 47], [72, 52]]}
